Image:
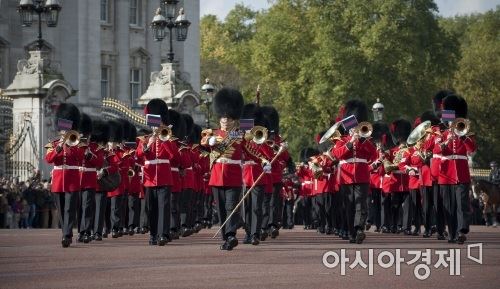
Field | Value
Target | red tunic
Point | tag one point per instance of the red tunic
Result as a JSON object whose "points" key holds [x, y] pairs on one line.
{"points": [[135, 181], [226, 171], [280, 163], [66, 171], [254, 158], [430, 145], [157, 161], [90, 166], [110, 165], [305, 177], [396, 181], [123, 167], [354, 163], [412, 161], [454, 167]]}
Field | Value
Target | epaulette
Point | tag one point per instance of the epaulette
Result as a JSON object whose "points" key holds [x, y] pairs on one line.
{"points": [[49, 146]]}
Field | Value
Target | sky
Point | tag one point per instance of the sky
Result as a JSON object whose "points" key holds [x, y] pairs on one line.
{"points": [[446, 7]]}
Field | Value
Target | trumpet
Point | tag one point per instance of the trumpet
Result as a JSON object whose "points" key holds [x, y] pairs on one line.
{"points": [[258, 134], [131, 173], [163, 132], [71, 138], [460, 126], [364, 129]]}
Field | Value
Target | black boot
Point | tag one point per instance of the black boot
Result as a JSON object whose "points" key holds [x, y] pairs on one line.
{"points": [[229, 244]]}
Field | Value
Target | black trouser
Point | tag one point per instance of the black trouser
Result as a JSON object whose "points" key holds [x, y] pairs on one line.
{"points": [[124, 211], [87, 207], [208, 199], [397, 200], [175, 216], [185, 207], [79, 211], [386, 208], [375, 207], [355, 206], [288, 213], [158, 199], [107, 214], [134, 210], [457, 208], [407, 211], [266, 203], [197, 207], [253, 211], [307, 201], [66, 206], [116, 212], [144, 214], [322, 207], [416, 208], [227, 198], [428, 205], [328, 204], [100, 209], [276, 206], [438, 207], [339, 211]]}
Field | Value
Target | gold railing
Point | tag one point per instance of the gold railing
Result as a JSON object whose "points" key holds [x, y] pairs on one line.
{"points": [[122, 108]]}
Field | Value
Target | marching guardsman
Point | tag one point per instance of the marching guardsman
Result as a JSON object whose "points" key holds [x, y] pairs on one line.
{"points": [[355, 153], [116, 195], [304, 174], [67, 156], [176, 196], [187, 204], [289, 193], [255, 156], [202, 169], [100, 135], [144, 222], [454, 146], [158, 151], [193, 142], [226, 146], [134, 175], [93, 161]]}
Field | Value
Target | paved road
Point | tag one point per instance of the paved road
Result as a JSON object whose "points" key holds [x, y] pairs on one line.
{"points": [[35, 259]]}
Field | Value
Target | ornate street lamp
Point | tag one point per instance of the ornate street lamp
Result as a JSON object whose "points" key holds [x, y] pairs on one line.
{"points": [[50, 9], [209, 90], [164, 18], [378, 110]]}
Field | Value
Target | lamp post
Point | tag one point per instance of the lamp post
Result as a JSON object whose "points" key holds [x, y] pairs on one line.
{"points": [[378, 110], [209, 90], [50, 9], [164, 18]]}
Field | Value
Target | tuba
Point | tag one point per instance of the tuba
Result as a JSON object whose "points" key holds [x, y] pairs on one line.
{"points": [[364, 129], [460, 126], [398, 157], [71, 138], [163, 132], [258, 134]]}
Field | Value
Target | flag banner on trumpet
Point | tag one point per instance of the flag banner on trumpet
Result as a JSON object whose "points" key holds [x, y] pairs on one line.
{"points": [[448, 115], [153, 120], [64, 124], [131, 144], [349, 122], [246, 124]]}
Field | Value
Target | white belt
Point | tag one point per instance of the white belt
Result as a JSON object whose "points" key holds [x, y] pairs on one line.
{"points": [[84, 169], [454, 157], [436, 156], [157, 161], [66, 167], [190, 168], [228, 161], [353, 160], [174, 169], [307, 182], [398, 172], [249, 163]]}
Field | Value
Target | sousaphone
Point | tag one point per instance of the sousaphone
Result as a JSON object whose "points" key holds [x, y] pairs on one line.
{"points": [[332, 133], [419, 132]]}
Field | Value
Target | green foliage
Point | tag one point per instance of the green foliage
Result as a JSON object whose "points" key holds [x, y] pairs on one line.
{"points": [[310, 56]]}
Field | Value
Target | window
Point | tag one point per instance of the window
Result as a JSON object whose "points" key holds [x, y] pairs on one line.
{"points": [[134, 17], [135, 86], [104, 11], [104, 82]]}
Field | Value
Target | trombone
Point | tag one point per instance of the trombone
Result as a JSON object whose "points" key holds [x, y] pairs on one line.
{"points": [[71, 138], [364, 129], [258, 134], [163, 132]]}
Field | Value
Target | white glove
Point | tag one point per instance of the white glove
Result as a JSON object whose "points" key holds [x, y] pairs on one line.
{"points": [[267, 167], [212, 141]]}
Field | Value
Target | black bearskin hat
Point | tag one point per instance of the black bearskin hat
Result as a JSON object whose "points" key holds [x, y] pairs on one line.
{"points": [[70, 112], [228, 102], [272, 117], [437, 99], [195, 136], [401, 129], [178, 124], [85, 125], [430, 116], [251, 110], [456, 103], [306, 153], [382, 134], [100, 131], [125, 127], [189, 123], [115, 131], [159, 107], [357, 108], [132, 133]]}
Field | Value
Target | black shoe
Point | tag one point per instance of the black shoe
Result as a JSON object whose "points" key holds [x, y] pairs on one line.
{"points": [[368, 226], [98, 237], [115, 234], [137, 230], [329, 231], [426, 234], [335, 232], [229, 244], [144, 230], [345, 236], [385, 230], [352, 240], [407, 232], [131, 231], [441, 237], [255, 240], [80, 238], [275, 232], [197, 227], [377, 230], [416, 232], [263, 235], [174, 234], [153, 241], [452, 241], [248, 239], [87, 239], [185, 232], [162, 241], [105, 235], [65, 242], [433, 230], [461, 238], [360, 236], [321, 230]]}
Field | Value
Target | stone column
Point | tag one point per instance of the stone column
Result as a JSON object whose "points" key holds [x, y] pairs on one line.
{"points": [[122, 48]]}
